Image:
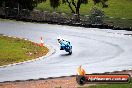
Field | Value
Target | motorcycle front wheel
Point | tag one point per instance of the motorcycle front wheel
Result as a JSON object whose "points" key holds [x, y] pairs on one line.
{"points": [[70, 52]]}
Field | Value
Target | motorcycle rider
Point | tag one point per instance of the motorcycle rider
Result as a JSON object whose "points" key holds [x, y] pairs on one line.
{"points": [[62, 42]]}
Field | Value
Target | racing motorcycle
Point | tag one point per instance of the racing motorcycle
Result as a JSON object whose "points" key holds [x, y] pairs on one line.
{"points": [[65, 45]]}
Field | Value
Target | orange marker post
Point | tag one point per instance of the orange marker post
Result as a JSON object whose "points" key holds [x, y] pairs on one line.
{"points": [[41, 42], [81, 71]]}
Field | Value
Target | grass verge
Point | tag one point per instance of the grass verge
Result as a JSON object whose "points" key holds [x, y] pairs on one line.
{"points": [[116, 9], [119, 11], [13, 50]]}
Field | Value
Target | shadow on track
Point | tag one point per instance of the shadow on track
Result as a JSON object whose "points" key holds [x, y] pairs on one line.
{"points": [[67, 54]]}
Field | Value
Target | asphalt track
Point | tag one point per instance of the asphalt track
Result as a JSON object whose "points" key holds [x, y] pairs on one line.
{"points": [[96, 50]]}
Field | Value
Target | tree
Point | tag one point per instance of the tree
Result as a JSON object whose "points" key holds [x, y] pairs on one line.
{"points": [[54, 3], [75, 5], [102, 2], [24, 4]]}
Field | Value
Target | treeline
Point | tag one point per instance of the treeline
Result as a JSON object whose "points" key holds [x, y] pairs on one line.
{"points": [[21, 4]]}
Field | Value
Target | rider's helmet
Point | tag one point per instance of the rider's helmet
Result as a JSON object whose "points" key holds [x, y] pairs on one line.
{"points": [[59, 39]]}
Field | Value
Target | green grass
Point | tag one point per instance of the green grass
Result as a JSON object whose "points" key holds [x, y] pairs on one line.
{"points": [[125, 85], [14, 50], [116, 9]]}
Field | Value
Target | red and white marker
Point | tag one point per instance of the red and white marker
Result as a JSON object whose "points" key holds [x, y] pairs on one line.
{"points": [[41, 42]]}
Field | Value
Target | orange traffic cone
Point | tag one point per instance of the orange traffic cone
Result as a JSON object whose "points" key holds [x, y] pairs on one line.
{"points": [[81, 71], [41, 42]]}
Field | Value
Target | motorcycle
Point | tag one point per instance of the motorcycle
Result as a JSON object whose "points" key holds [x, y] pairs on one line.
{"points": [[65, 45]]}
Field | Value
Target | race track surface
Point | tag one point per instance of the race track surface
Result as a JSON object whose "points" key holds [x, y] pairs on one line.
{"points": [[96, 50]]}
